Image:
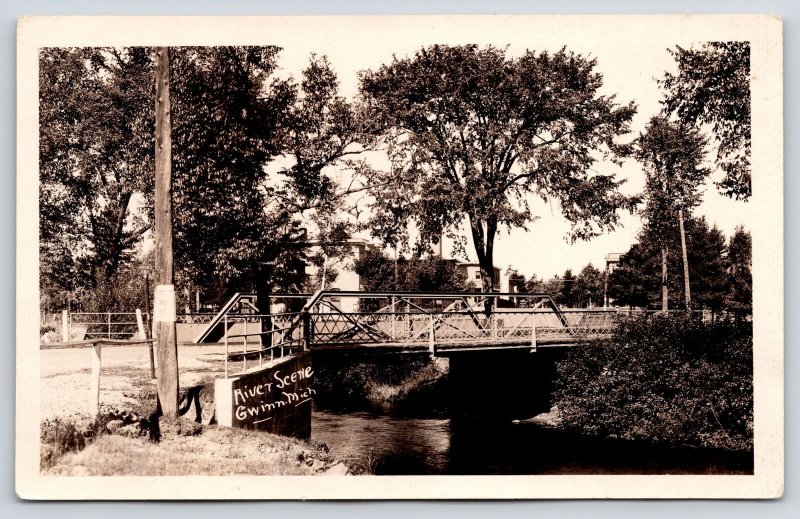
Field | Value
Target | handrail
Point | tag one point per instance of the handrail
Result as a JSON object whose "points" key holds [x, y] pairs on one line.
{"points": [[282, 343]]}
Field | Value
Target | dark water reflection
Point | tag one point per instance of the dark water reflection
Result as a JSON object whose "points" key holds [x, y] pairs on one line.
{"points": [[391, 445]]}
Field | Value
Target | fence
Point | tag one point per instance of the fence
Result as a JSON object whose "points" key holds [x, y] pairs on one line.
{"points": [[104, 325]]}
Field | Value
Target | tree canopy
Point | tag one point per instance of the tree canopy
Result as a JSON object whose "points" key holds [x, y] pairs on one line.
{"points": [[712, 87], [95, 155], [428, 274], [672, 155], [636, 281], [472, 133], [228, 122], [231, 117], [588, 291], [739, 295]]}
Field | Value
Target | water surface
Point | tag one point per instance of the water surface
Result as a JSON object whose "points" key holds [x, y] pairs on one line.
{"points": [[392, 445]]}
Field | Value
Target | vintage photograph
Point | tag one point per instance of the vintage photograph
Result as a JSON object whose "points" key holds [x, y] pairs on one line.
{"points": [[403, 246]]}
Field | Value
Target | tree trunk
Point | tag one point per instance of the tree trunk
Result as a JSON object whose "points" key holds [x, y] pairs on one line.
{"points": [[164, 311], [686, 290], [263, 296], [664, 287], [484, 248]]}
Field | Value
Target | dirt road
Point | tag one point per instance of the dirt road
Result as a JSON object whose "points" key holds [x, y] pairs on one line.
{"points": [[65, 375]]}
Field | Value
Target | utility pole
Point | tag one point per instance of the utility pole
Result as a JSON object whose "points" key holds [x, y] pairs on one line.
{"points": [[164, 302]]}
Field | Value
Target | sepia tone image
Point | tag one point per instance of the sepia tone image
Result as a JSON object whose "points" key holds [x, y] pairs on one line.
{"points": [[369, 251]]}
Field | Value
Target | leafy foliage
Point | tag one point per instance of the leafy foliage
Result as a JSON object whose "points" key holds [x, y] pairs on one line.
{"points": [[230, 118], [712, 87], [636, 281], [429, 274], [226, 124], [588, 289], [739, 297], [672, 155], [672, 380], [95, 157], [552, 286], [472, 134]]}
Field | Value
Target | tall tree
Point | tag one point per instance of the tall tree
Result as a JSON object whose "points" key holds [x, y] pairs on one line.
{"points": [[536, 285], [473, 133], [739, 294], [95, 163], [323, 141], [588, 289], [672, 155], [636, 281], [566, 293], [323, 132], [712, 87], [228, 113]]}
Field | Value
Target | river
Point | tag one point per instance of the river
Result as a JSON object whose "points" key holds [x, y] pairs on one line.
{"points": [[383, 444]]}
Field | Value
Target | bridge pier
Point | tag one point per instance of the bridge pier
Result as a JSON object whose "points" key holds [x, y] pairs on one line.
{"points": [[510, 384]]}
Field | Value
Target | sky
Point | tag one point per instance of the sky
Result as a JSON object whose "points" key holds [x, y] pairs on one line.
{"points": [[629, 59]]}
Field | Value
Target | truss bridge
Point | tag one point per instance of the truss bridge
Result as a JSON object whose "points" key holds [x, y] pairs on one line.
{"points": [[442, 324]]}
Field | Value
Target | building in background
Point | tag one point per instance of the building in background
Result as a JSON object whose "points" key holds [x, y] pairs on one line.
{"points": [[472, 273], [345, 278]]}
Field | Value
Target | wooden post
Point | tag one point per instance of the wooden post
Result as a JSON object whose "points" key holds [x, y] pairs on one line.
{"points": [[533, 338], [65, 333], [109, 325], [244, 357], [140, 324], [94, 387], [143, 335], [164, 305]]}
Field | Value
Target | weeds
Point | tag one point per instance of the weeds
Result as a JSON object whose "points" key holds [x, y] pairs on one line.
{"points": [[58, 437]]}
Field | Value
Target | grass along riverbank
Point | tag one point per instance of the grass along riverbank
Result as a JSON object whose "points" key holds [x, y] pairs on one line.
{"points": [[126, 439], [192, 450]]}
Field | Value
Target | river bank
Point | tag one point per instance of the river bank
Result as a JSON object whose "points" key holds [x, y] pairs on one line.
{"points": [[192, 450], [394, 419], [126, 438]]}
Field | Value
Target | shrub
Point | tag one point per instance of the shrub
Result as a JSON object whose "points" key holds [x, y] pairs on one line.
{"points": [[672, 380]]}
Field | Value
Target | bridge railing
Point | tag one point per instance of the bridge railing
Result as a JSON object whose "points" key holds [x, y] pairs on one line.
{"points": [[247, 339], [501, 327], [286, 334]]}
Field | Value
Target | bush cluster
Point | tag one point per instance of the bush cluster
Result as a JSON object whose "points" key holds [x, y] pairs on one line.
{"points": [[671, 380]]}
